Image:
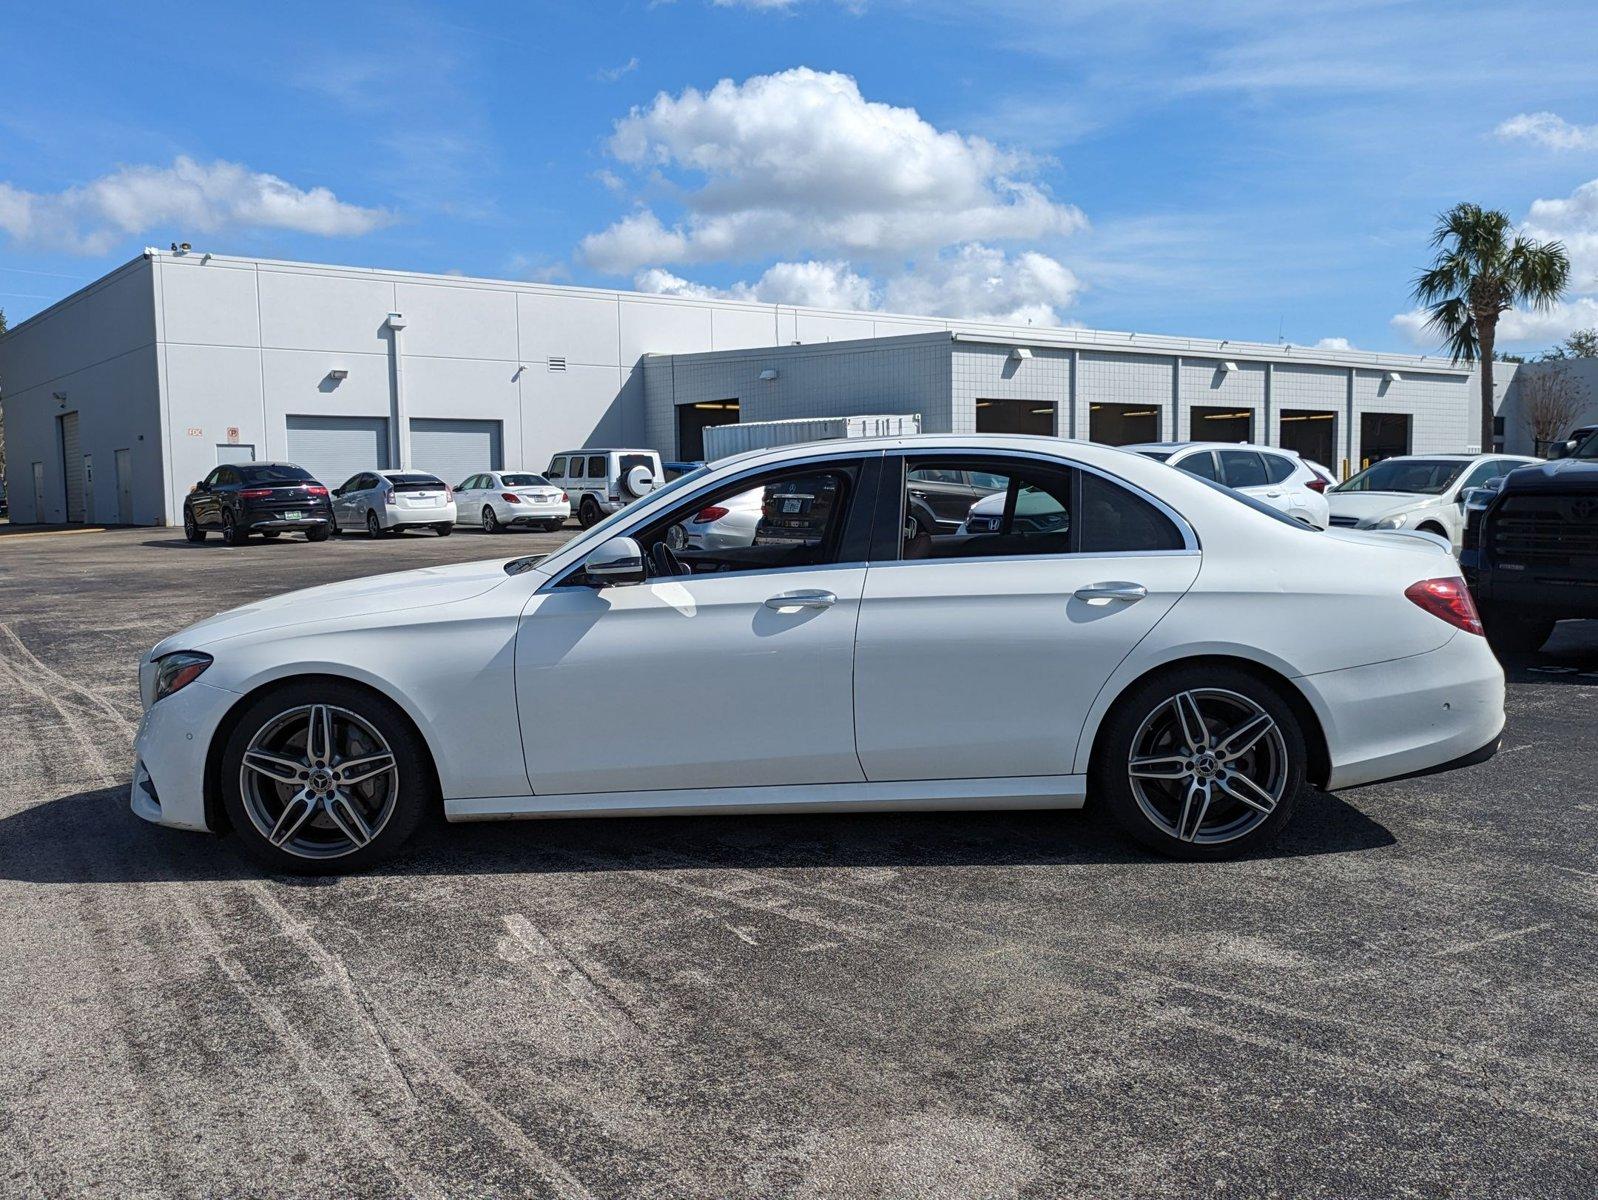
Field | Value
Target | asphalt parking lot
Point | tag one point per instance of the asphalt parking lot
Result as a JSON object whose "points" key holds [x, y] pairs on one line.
{"points": [[1397, 1000]]}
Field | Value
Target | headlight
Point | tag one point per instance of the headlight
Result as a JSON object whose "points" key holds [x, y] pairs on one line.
{"points": [[1394, 522], [175, 671]]}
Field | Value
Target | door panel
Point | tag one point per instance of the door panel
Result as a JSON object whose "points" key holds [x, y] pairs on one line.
{"points": [[689, 682], [966, 668]]}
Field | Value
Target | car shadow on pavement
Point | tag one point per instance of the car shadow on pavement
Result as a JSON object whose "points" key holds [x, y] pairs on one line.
{"points": [[92, 837]]}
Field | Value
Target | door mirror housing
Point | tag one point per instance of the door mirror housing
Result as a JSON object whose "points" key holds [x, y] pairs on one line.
{"points": [[1562, 449], [618, 561]]}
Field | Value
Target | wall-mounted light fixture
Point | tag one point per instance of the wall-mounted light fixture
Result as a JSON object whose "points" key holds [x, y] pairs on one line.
{"points": [[768, 374], [339, 373], [1021, 354], [1228, 365], [60, 398], [395, 321], [1392, 377]]}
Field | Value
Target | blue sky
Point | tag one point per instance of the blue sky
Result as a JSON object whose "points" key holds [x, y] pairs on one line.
{"points": [[1235, 169]]}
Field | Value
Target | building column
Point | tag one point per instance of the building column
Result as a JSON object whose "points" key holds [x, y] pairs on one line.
{"points": [[1272, 435], [1348, 428], [400, 436], [1176, 399]]}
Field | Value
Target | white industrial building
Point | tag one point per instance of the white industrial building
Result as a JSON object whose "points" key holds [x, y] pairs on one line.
{"points": [[120, 396]]}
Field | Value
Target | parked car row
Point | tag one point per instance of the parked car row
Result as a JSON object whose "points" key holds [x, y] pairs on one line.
{"points": [[238, 500]]}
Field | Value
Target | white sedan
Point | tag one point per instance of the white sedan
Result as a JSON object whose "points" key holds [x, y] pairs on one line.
{"points": [[501, 500], [1186, 660], [1424, 492], [721, 526], [383, 502], [1270, 474]]}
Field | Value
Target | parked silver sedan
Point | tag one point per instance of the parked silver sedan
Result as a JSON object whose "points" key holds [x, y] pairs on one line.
{"points": [[383, 502], [499, 500]]}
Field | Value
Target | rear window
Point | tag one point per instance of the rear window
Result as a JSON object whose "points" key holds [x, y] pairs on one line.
{"points": [[272, 473], [525, 480], [410, 481], [629, 461], [1277, 468]]}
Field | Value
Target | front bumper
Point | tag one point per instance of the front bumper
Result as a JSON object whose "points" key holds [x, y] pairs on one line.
{"points": [[1411, 715], [169, 755], [1534, 590]]}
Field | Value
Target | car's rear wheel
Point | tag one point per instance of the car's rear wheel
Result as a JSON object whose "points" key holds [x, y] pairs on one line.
{"points": [[1516, 634], [1201, 763], [588, 514], [490, 519], [270, 533], [443, 529], [232, 534], [322, 776], [192, 531], [373, 528], [554, 526], [319, 535]]}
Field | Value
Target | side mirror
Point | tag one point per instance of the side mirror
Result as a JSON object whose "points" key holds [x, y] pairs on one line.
{"points": [[618, 561], [338, 491], [1562, 449]]}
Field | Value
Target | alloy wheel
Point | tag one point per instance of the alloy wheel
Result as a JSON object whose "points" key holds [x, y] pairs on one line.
{"points": [[1208, 765], [319, 781]]}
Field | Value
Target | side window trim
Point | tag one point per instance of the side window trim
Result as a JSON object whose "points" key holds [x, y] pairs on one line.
{"points": [[1190, 540]]}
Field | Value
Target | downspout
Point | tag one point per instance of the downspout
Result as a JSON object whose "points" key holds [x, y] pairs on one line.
{"points": [[400, 441]]}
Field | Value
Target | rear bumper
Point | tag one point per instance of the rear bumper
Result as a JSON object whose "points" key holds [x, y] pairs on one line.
{"points": [[266, 518], [1410, 716], [418, 516], [527, 514]]}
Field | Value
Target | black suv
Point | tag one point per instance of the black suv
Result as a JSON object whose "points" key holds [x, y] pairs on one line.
{"points": [[257, 497], [1530, 549]]}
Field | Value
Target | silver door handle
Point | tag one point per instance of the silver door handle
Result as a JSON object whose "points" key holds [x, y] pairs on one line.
{"points": [[1117, 590], [802, 600]]}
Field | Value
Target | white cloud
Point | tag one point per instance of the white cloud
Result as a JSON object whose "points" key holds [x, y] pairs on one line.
{"points": [[1550, 130], [974, 283], [801, 163], [1334, 343], [1573, 220], [184, 199], [612, 74]]}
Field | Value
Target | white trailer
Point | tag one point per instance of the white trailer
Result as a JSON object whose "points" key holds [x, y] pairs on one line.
{"points": [[724, 440]]}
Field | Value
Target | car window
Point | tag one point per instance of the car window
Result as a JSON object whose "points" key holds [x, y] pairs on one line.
{"points": [[1241, 468], [1418, 476], [226, 476], [272, 473], [214, 479], [596, 466], [1201, 464], [983, 481], [935, 475], [521, 479], [1117, 520], [576, 468], [802, 511], [1481, 473], [470, 484], [1278, 468], [629, 461], [557, 465], [1028, 511]]}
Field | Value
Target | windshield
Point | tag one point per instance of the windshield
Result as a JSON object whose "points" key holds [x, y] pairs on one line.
{"points": [[1421, 476], [523, 480], [1589, 448], [272, 473]]}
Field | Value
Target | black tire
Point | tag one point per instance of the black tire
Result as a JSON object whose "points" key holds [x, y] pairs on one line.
{"points": [[1517, 634], [554, 526], [588, 514], [270, 533], [232, 535], [443, 530], [1140, 710], [191, 531], [373, 529], [319, 535], [413, 796], [491, 520]]}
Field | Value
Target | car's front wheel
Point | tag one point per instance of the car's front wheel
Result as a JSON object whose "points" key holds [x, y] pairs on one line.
{"points": [[323, 776], [232, 534], [191, 530], [1202, 762]]}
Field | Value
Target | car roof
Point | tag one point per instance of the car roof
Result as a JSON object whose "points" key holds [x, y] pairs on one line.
{"points": [[1173, 447], [387, 472]]}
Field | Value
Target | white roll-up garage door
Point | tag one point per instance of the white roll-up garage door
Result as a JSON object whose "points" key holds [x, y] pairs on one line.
{"points": [[334, 448], [454, 449]]}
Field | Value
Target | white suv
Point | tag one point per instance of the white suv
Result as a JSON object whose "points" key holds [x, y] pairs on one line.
{"points": [[601, 481], [1270, 474]]}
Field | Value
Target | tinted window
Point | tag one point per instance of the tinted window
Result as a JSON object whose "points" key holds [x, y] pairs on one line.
{"points": [[596, 466], [577, 468], [1241, 468], [1027, 510], [1278, 468], [629, 461], [226, 476], [273, 473], [1481, 473], [214, 479], [415, 477], [557, 466], [936, 475], [1201, 464], [1115, 519], [1422, 476], [523, 479]]}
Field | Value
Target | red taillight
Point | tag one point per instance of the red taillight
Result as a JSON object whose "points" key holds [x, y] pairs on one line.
{"points": [[1448, 600], [565, 497], [315, 489], [714, 513], [510, 497], [255, 493], [388, 496], [1315, 485]]}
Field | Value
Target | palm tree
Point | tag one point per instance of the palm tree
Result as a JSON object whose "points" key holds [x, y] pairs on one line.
{"points": [[1479, 272]]}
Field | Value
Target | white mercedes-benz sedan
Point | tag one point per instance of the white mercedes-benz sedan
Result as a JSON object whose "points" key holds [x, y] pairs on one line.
{"points": [[1183, 656]]}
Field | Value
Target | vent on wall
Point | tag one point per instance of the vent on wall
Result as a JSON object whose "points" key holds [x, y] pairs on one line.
{"points": [[557, 364]]}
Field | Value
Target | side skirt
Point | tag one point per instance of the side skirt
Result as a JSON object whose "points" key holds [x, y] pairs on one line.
{"points": [[1034, 791]]}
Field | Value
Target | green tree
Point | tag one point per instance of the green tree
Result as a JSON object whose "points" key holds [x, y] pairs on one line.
{"points": [[1582, 343], [1481, 270]]}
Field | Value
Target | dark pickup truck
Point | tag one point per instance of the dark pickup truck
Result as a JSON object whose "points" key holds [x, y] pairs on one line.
{"points": [[1530, 547]]}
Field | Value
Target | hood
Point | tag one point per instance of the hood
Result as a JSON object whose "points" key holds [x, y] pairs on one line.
{"points": [[1565, 476], [354, 597], [1368, 506]]}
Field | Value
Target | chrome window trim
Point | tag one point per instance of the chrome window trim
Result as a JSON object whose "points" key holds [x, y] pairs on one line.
{"points": [[648, 514], [1190, 541], [579, 587]]}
